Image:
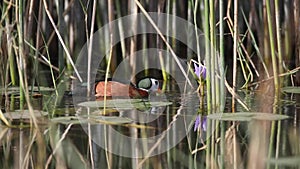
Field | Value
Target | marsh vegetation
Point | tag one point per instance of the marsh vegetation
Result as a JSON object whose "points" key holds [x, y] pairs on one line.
{"points": [[242, 113]]}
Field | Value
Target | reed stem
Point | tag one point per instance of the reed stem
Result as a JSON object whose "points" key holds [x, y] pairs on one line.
{"points": [[278, 35], [90, 48], [235, 51], [20, 27], [272, 45], [208, 81], [222, 59]]}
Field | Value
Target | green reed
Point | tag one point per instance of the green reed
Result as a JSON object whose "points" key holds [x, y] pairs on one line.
{"points": [[21, 59], [272, 45], [278, 37], [222, 80], [208, 79]]}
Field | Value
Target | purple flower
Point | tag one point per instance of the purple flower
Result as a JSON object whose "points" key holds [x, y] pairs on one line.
{"points": [[199, 122], [200, 71], [204, 123]]}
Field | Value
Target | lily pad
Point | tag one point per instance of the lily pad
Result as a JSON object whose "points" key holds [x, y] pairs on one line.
{"points": [[92, 120], [291, 89], [24, 114], [68, 120], [111, 103], [15, 90], [246, 116], [41, 89], [285, 161], [34, 89], [270, 116], [124, 104], [112, 120]]}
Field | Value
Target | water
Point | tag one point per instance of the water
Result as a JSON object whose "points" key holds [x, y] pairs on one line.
{"points": [[154, 137]]}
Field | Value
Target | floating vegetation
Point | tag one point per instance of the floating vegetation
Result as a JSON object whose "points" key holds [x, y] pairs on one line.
{"points": [[92, 120], [15, 89], [124, 104], [293, 161], [24, 114], [22, 118], [69, 120], [111, 119], [222, 46], [291, 89], [246, 116]]}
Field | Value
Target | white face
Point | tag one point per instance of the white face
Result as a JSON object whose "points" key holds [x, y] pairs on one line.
{"points": [[155, 85]]}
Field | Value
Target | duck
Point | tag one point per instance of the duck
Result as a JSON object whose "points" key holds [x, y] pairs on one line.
{"points": [[117, 89]]}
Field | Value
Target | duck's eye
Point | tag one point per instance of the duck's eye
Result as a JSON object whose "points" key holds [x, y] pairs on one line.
{"points": [[155, 85]]}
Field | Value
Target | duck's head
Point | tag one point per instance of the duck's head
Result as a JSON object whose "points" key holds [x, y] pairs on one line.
{"points": [[148, 84]]}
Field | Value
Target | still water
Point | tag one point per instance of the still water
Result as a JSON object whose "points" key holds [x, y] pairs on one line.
{"points": [[155, 133]]}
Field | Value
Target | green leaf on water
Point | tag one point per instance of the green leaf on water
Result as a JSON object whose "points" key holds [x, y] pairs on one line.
{"points": [[92, 120], [285, 161], [111, 103], [124, 104], [270, 116], [246, 116], [68, 120], [41, 89], [291, 89], [24, 114], [112, 120], [230, 116], [33, 89], [15, 90]]}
